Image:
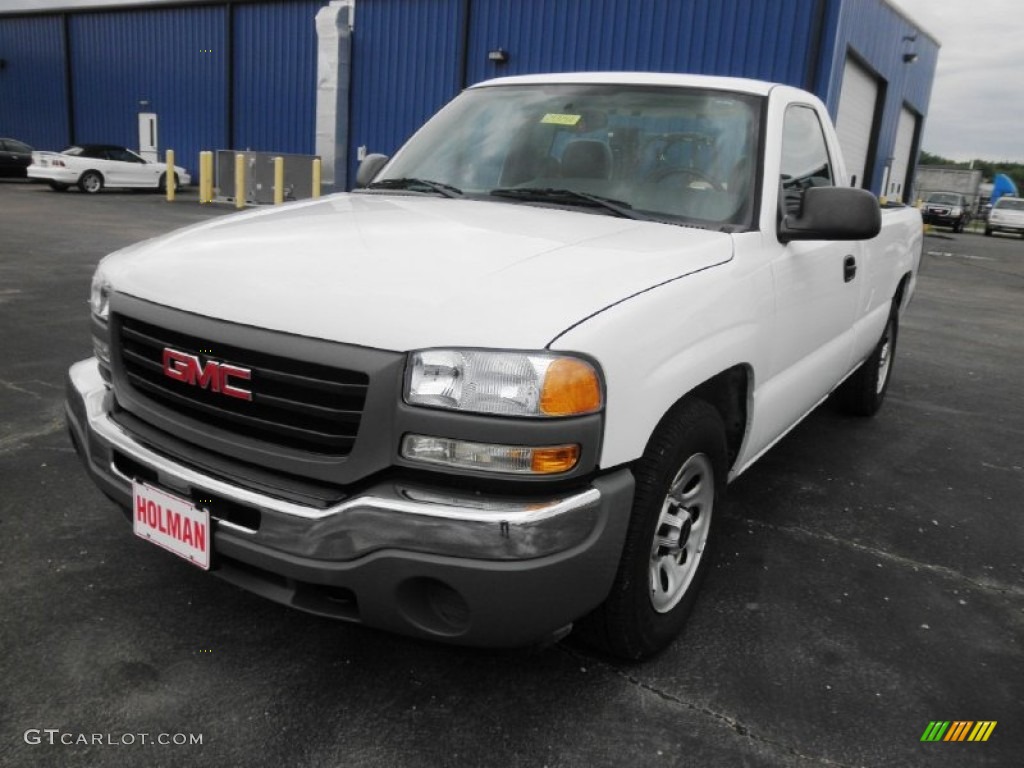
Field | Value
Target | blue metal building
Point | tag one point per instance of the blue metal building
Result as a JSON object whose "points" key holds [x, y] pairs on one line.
{"points": [[243, 74]]}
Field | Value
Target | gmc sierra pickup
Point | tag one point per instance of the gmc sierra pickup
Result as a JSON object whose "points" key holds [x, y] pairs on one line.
{"points": [[501, 387]]}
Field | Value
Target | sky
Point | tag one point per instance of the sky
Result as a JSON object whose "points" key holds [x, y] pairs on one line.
{"points": [[976, 110], [977, 105]]}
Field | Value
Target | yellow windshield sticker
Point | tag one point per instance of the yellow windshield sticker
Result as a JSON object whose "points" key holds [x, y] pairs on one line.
{"points": [[553, 118]]}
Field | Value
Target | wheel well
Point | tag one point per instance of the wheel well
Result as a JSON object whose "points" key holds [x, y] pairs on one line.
{"points": [[90, 170], [727, 393], [897, 300]]}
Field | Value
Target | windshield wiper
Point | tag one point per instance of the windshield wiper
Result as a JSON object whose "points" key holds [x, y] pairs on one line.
{"points": [[570, 196], [411, 184]]}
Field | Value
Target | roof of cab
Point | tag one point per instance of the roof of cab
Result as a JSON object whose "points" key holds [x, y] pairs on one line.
{"points": [[739, 84]]}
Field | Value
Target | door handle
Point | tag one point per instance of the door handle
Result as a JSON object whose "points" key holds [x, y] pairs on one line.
{"points": [[849, 269]]}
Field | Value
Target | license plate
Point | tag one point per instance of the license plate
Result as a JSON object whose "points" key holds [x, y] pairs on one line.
{"points": [[173, 523]]}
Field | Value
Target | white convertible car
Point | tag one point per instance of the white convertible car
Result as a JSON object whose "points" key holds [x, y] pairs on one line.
{"points": [[91, 167]]}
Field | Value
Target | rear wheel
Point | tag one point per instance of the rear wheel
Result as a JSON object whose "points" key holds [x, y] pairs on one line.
{"points": [[90, 182], [56, 186], [988, 231], [679, 481], [863, 392]]}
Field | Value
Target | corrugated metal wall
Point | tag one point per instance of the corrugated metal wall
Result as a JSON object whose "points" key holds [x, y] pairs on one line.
{"points": [[174, 59], [179, 59], [408, 55], [243, 74], [876, 33], [745, 38], [33, 101], [274, 76], [405, 64]]}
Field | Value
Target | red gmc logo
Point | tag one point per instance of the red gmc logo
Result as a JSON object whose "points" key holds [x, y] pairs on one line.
{"points": [[217, 377]]}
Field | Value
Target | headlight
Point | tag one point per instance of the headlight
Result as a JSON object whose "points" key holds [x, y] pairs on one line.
{"points": [[955, 212], [504, 383], [99, 296]]}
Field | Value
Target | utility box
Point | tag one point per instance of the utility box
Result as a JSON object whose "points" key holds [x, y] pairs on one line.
{"points": [[933, 178], [259, 176]]}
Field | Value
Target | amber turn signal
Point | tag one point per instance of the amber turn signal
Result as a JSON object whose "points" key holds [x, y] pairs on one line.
{"points": [[549, 461], [571, 388]]}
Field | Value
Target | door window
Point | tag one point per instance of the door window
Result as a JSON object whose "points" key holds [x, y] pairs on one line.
{"points": [[805, 160]]}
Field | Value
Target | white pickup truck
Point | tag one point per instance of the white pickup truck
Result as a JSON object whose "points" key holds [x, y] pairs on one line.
{"points": [[500, 388]]}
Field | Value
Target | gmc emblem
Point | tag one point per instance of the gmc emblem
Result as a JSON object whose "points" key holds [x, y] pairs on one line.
{"points": [[217, 377]]}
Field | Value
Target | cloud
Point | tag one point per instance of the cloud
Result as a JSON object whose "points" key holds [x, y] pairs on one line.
{"points": [[975, 107]]}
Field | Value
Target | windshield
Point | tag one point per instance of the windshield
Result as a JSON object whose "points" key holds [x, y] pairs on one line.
{"points": [[945, 198], [684, 156], [1008, 204]]}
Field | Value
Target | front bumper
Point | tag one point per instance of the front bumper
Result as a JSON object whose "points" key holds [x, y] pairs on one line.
{"points": [[942, 220], [488, 571], [1015, 227]]}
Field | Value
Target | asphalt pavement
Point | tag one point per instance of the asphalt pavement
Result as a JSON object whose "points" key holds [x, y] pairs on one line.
{"points": [[869, 579]]}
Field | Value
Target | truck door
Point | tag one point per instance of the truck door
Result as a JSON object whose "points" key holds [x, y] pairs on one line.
{"points": [[816, 287]]}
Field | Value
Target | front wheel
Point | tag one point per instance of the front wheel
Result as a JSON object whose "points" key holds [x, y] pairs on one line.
{"points": [[864, 391], [680, 481]]}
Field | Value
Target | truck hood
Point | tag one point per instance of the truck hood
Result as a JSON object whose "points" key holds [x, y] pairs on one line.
{"points": [[403, 272]]}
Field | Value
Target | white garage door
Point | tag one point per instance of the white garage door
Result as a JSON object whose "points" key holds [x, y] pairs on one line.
{"points": [[905, 130], [857, 100]]}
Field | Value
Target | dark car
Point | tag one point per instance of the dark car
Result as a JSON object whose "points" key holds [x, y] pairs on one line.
{"points": [[15, 157], [947, 209]]}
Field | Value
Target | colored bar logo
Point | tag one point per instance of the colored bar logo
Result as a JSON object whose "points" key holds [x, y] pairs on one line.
{"points": [[958, 730]]}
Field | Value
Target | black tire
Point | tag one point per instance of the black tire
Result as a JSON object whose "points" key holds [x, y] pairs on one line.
{"points": [[91, 182], [863, 393], [56, 186], [988, 231], [645, 610], [162, 184]]}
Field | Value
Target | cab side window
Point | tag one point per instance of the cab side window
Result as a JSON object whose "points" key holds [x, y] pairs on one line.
{"points": [[805, 160]]}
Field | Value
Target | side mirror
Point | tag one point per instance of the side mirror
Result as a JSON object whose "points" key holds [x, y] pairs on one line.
{"points": [[369, 168], [833, 213]]}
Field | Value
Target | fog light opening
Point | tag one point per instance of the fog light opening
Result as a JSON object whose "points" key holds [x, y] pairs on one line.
{"points": [[433, 606]]}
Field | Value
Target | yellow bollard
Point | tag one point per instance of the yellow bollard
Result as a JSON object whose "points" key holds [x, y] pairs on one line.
{"points": [[239, 180], [278, 180], [316, 177], [205, 177], [169, 176]]}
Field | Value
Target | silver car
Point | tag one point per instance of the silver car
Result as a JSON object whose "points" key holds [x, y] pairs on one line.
{"points": [[1007, 215]]}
